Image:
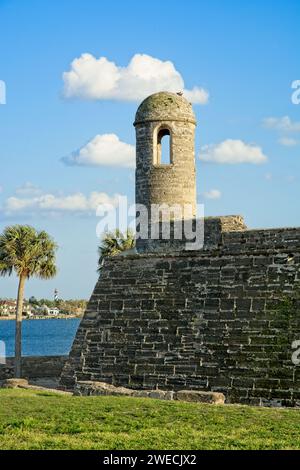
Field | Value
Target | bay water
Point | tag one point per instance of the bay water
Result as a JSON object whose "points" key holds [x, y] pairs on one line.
{"points": [[49, 337]]}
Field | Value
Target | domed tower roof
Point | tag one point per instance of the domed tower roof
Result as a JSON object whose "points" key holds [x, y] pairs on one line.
{"points": [[165, 106]]}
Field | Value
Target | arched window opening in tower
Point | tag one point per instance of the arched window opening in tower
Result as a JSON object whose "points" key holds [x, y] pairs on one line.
{"points": [[164, 155]]}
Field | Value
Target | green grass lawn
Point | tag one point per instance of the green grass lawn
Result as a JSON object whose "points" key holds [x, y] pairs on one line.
{"points": [[38, 420]]}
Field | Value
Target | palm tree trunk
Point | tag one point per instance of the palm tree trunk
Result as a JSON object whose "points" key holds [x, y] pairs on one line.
{"points": [[18, 338]]}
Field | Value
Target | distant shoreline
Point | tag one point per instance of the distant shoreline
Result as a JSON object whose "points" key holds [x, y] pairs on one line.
{"points": [[59, 317]]}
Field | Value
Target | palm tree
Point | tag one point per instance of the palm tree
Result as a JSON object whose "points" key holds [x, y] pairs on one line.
{"points": [[113, 243], [28, 253]]}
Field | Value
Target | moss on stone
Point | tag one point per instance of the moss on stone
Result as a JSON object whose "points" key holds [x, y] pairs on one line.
{"points": [[167, 104]]}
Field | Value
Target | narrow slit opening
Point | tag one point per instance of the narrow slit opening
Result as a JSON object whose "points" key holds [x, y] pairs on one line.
{"points": [[163, 147]]}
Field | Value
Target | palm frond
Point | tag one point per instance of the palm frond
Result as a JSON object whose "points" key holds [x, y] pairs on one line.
{"points": [[114, 243], [27, 252]]}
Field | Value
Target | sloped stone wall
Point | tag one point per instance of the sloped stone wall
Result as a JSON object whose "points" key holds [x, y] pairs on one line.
{"points": [[222, 319]]}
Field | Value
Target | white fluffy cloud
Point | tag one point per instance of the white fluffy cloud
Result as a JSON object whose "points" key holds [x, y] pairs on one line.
{"points": [[213, 194], [232, 152], [50, 203], [100, 79], [283, 124], [105, 149]]}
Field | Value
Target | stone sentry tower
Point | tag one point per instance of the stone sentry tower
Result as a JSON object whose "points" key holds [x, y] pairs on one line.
{"points": [[157, 182]]}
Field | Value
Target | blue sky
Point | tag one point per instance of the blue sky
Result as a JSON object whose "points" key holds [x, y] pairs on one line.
{"points": [[245, 56]]}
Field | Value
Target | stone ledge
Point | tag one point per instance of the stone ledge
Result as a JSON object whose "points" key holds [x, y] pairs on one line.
{"points": [[90, 388], [15, 383], [24, 384], [215, 398]]}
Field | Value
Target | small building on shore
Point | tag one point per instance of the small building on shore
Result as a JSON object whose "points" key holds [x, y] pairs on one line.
{"points": [[8, 308], [44, 310]]}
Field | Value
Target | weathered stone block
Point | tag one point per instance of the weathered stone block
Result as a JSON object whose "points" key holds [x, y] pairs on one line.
{"points": [[200, 397], [99, 388], [158, 394], [15, 383]]}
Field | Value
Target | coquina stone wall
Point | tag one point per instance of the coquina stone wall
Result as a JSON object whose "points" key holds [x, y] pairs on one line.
{"points": [[220, 319], [34, 367]]}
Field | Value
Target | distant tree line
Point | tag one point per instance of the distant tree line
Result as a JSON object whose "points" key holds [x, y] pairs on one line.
{"points": [[65, 306]]}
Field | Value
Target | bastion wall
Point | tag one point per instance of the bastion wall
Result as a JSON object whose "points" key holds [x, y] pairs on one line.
{"points": [[221, 319]]}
